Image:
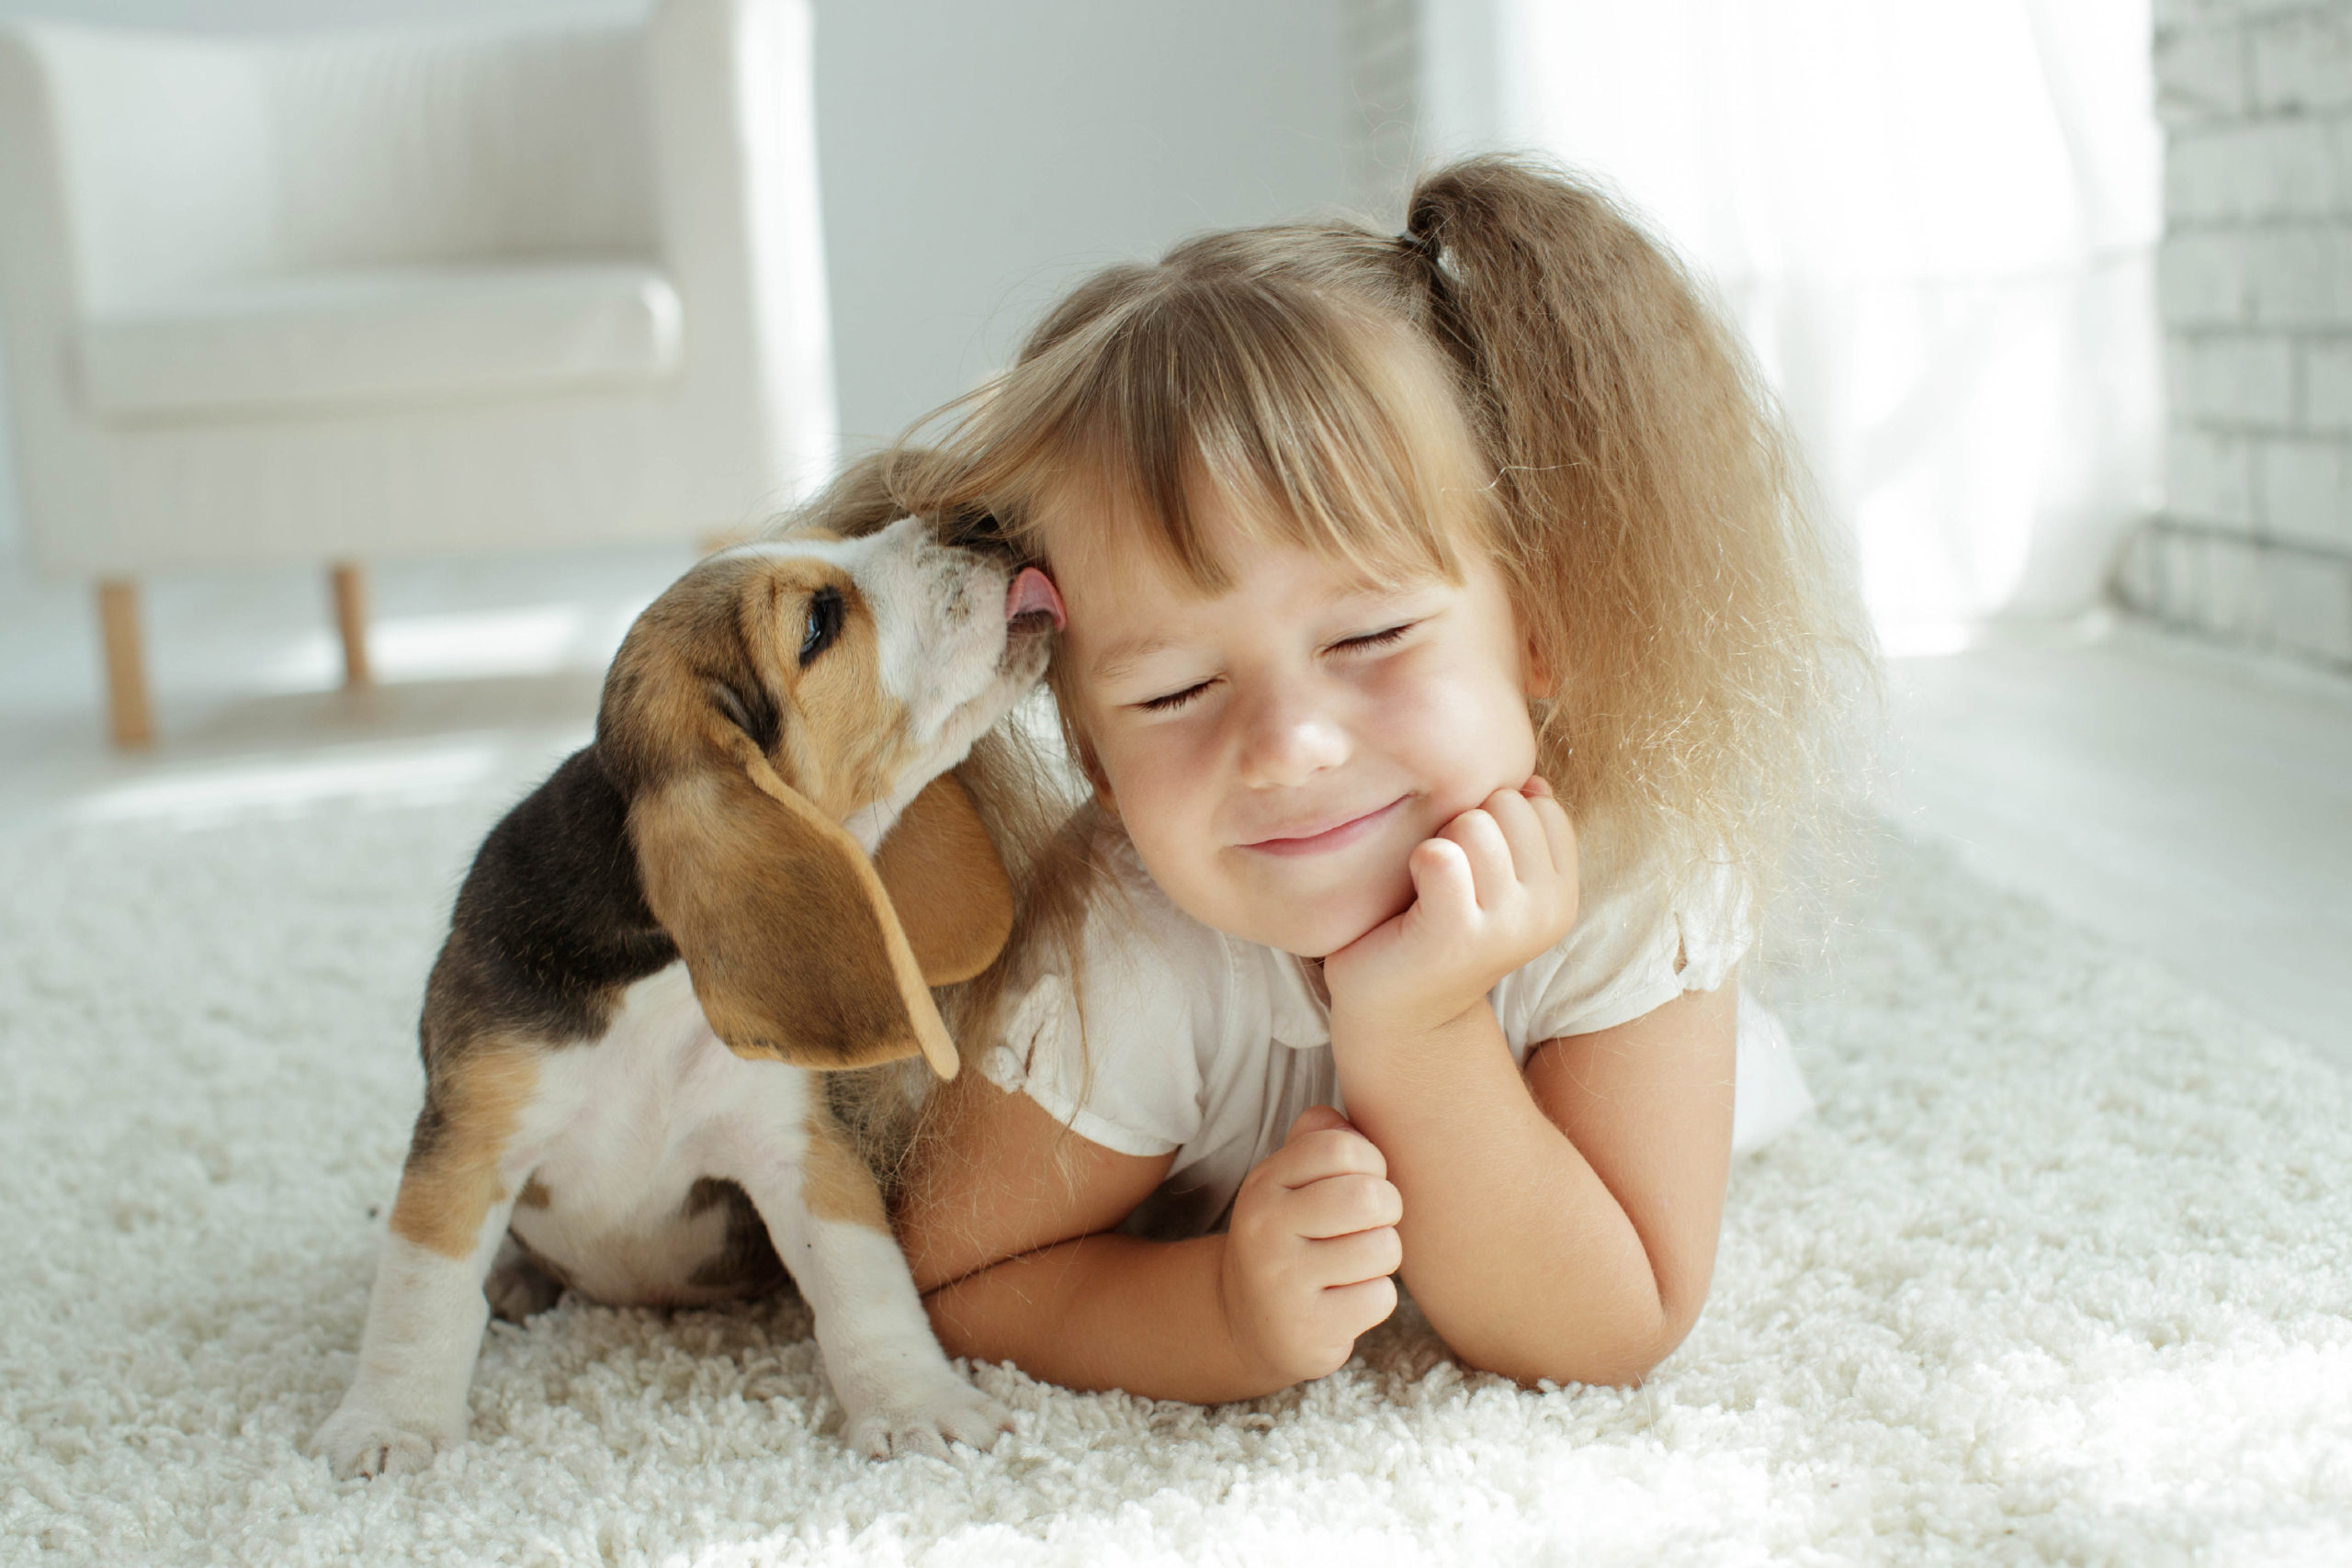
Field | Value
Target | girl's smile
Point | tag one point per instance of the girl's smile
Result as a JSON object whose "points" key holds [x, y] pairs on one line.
{"points": [[1316, 840], [1276, 750]]}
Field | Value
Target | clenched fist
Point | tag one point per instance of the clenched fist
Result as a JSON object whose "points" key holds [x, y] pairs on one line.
{"points": [[1310, 1249]]}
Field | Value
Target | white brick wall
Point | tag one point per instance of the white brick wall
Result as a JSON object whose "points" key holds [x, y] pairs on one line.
{"points": [[2254, 281], [2208, 479], [2241, 173], [2327, 384], [2306, 493], [2301, 61], [2231, 381], [2201, 71]]}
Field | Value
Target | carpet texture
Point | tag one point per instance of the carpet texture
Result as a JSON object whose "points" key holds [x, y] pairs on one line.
{"points": [[2062, 1272]]}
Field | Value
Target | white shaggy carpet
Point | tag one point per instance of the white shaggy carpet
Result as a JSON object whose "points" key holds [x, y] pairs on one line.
{"points": [[2060, 1273]]}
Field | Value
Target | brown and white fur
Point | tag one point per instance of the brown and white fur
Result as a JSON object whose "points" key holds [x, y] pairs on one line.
{"points": [[654, 950]]}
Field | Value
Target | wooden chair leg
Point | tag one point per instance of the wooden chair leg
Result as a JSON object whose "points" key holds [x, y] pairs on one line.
{"points": [[350, 581], [130, 719]]}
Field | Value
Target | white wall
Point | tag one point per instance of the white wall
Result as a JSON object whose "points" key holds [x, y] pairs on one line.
{"points": [[1935, 222], [978, 156], [2256, 540]]}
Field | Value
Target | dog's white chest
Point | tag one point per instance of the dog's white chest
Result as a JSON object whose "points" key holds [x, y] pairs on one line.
{"points": [[632, 1124]]}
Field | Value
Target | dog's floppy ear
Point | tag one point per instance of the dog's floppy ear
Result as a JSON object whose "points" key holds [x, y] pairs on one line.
{"points": [[794, 942], [791, 940], [946, 883]]}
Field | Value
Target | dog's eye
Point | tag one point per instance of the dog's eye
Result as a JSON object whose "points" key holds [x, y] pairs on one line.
{"points": [[824, 623]]}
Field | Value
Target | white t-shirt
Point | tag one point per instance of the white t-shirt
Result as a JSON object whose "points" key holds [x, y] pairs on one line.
{"points": [[1210, 1045]]}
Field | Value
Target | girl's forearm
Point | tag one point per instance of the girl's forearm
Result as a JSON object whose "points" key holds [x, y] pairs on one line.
{"points": [[1515, 1249], [1104, 1311]]}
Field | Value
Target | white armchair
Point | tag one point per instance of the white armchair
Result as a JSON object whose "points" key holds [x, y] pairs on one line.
{"points": [[329, 298]]}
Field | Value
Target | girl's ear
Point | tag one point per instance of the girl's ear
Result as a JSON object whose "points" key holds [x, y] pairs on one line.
{"points": [[1536, 668]]}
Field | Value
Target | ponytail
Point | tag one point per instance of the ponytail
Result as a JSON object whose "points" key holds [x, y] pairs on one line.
{"points": [[1654, 519]]}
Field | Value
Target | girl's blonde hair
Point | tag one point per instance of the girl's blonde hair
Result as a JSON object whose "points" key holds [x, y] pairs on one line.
{"points": [[1524, 372]]}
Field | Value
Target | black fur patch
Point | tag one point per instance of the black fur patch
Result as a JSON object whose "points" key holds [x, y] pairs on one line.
{"points": [[746, 1263], [551, 925]]}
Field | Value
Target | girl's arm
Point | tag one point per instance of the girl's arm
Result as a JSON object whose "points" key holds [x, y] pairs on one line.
{"points": [[1004, 1215], [1559, 1223]]}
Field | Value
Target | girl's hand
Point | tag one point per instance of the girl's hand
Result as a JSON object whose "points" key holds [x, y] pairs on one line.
{"points": [[1310, 1249], [1497, 886]]}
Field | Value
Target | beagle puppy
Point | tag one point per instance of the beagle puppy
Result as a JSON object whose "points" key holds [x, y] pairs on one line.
{"points": [[658, 950]]}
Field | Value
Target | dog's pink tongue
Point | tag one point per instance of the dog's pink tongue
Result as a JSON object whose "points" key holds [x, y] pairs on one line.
{"points": [[1033, 590]]}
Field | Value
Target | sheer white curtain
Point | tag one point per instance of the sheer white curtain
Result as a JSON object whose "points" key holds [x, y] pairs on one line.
{"points": [[1936, 221]]}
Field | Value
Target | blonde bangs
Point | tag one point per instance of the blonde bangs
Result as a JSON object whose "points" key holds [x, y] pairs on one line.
{"points": [[1316, 426]]}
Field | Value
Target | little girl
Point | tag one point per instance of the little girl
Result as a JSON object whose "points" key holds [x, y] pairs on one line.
{"points": [[1448, 654]]}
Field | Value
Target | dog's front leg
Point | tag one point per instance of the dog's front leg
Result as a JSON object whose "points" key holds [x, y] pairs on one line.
{"points": [[426, 1315], [825, 1216]]}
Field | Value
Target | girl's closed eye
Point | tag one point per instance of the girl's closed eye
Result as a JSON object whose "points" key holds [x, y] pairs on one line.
{"points": [[1174, 699], [1368, 641], [1377, 639]]}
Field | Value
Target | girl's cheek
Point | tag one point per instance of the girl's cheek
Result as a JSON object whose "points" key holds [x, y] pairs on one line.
{"points": [[1157, 781]]}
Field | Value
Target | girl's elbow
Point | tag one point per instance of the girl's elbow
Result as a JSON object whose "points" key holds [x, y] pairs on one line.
{"points": [[1635, 1362], [1605, 1367], [1621, 1357]]}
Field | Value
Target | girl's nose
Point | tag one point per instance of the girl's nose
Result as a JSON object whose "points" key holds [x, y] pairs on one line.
{"points": [[1285, 740]]}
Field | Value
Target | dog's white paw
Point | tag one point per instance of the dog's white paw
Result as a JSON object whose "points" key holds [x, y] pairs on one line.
{"points": [[357, 1440], [924, 1417]]}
